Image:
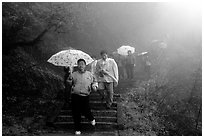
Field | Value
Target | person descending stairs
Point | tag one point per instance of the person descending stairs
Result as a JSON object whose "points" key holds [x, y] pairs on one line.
{"points": [[105, 119]]}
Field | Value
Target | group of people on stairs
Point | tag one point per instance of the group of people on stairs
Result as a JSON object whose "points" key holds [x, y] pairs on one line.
{"points": [[101, 77]]}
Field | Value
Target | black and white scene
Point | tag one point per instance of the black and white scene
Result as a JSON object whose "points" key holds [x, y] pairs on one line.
{"points": [[102, 68]]}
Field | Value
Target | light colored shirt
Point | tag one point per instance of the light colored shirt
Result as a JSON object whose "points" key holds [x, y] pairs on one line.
{"points": [[111, 67], [82, 83]]}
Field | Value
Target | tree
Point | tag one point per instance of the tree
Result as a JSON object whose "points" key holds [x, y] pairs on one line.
{"points": [[25, 24]]}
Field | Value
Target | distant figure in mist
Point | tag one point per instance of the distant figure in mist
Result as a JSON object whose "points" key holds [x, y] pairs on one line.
{"points": [[83, 82], [158, 56], [146, 65], [107, 77], [120, 60], [130, 64]]}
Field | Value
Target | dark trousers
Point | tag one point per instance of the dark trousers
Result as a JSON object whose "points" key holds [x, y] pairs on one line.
{"points": [[107, 93], [80, 106], [130, 70]]}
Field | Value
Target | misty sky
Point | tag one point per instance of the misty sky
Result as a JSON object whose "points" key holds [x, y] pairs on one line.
{"points": [[140, 23]]}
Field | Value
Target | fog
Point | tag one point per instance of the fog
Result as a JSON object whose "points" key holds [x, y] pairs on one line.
{"points": [[137, 24], [179, 25]]}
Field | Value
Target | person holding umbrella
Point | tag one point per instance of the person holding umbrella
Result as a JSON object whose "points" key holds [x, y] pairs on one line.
{"points": [[128, 51], [83, 82]]}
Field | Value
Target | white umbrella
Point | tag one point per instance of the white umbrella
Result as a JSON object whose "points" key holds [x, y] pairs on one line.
{"points": [[142, 54], [69, 58], [123, 50]]}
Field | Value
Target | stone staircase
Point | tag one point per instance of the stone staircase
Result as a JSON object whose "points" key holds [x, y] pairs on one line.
{"points": [[106, 119]]}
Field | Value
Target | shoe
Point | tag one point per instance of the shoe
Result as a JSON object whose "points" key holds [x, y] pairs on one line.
{"points": [[77, 132], [93, 123]]}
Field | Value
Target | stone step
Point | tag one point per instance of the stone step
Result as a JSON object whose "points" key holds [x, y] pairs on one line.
{"points": [[100, 133], [95, 105], [110, 113], [98, 98], [84, 133], [106, 119], [68, 118], [97, 94], [86, 126]]}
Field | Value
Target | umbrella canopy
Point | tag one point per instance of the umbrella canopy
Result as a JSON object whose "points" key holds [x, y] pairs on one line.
{"points": [[69, 58], [123, 50], [143, 53]]}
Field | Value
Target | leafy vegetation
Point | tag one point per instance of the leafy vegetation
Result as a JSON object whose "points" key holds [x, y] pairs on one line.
{"points": [[28, 93], [170, 105]]}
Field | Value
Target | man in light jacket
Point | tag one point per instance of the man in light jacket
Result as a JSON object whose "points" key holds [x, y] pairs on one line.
{"points": [[107, 77]]}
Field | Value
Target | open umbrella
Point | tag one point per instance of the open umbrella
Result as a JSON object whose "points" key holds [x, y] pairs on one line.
{"points": [[142, 54], [123, 50], [69, 58]]}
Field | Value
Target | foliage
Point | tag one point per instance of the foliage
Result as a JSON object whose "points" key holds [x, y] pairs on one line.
{"points": [[10, 127], [28, 93], [27, 24], [170, 102], [158, 110]]}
